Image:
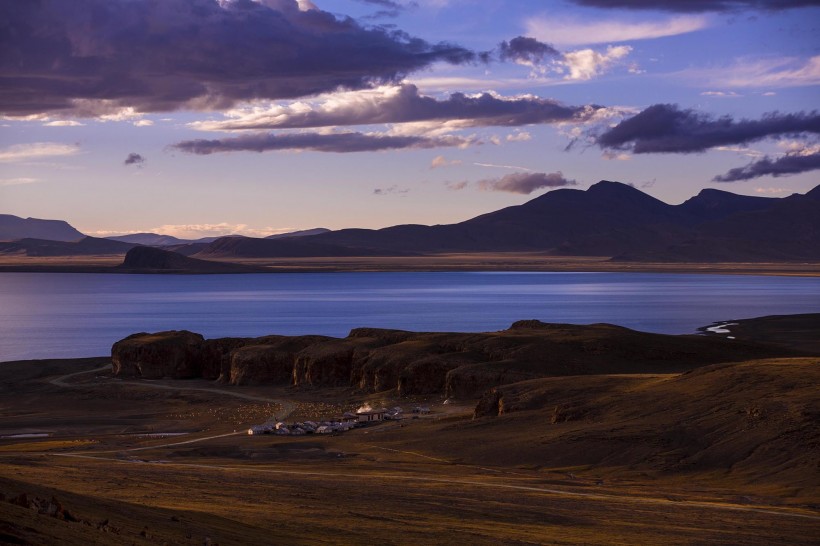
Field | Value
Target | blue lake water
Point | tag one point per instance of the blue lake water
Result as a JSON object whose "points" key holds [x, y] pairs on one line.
{"points": [[54, 315]]}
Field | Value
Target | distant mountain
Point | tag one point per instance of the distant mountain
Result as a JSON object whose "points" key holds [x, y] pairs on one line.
{"points": [[609, 219], [155, 239], [300, 233], [87, 246], [146, 259], [14, 227]]}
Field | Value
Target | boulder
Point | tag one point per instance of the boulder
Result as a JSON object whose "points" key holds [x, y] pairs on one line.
{"points": [[174, 354]]}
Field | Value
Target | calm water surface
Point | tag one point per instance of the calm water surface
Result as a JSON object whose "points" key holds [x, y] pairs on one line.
{"points": [[53, 315]]}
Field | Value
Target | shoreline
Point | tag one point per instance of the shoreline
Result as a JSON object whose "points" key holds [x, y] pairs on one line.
{"points": [[478, 262]]}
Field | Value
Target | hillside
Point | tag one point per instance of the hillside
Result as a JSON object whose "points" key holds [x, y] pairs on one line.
{"points": [[14, 227], [86, 246]]}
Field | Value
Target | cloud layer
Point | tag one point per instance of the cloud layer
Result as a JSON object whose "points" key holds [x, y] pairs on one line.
{"points": [[697, 5], [665, 128], [197, 54], [782, 166], [316, 142], [399, 104], [525, 183]]}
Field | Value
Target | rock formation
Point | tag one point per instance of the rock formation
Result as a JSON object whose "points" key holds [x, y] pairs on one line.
{"points": [[454, 364]]}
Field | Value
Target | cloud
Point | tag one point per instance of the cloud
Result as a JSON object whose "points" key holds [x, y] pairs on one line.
{"points": [[17, 181], [665, 128], [585, 64], [440, 161], [721, 94], [134, 159], [197, 231], [697, 5], [520, 136], [194, 54], [778, 72], [789, 164], [317, 142], [36, 150], [394, 190], [526, 51], [398, 104], [571, 31], [512, 167], [772, 190], [456, 186], [143, 123], [525, 183], [64, 123]]}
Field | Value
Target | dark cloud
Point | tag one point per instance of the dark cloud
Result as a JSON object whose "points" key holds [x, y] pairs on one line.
{"points": [[664, 128], [783, 166], [526, 183], [317, 142], [698, 5], [405, 104], [134, 159], [394, 189], [527, 50], [199, 54]]}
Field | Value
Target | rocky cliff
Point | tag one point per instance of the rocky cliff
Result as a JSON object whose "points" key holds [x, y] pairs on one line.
{"points": [[453, 364]]}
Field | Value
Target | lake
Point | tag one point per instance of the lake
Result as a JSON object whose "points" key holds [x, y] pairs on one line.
{"points": [[59, 315]]}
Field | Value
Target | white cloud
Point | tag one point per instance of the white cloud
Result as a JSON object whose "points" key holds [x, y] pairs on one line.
{"points": [[17, 181], [721, 94], [197, 231], [585, 64], [511, 167], [441, 161], [64, 123], [570, 31], [36, 150], [742, 150], [520, 136], [777, 72], [772, 190], [615, 156], [143, 123]]}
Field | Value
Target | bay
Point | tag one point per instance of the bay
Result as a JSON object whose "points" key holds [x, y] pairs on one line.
{"points": [[63, 315]]}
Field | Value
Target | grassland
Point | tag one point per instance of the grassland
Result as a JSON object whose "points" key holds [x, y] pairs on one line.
{"points": [[722, 455]]}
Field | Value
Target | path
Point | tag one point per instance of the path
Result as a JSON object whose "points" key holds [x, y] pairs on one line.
{"points": [[287, 406]]}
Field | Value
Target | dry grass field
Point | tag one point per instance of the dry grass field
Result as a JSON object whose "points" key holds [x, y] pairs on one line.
{"points": [[726, 454]]}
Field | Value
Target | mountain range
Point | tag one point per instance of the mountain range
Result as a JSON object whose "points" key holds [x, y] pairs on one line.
{"points": [[609, 219]]}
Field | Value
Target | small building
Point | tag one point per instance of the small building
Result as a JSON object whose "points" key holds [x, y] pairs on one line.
{"points": [[371, 416]]}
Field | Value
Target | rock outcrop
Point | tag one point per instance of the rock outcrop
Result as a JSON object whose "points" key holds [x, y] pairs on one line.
{"points": [[453, 364], [174, 354]]}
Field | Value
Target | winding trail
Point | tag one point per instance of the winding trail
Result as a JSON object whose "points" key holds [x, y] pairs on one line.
{"points": [[287, 406]]}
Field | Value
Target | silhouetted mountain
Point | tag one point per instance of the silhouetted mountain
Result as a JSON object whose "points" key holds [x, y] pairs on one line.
{"points": [[14, 227], [300, 233], [87, 246], [146, 259], [711, 204]]}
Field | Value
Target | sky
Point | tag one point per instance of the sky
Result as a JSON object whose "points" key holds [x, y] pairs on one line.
{"points": [[199, 118]]}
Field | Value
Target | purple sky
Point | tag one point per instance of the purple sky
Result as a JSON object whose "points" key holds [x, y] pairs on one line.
{"points": [[209, 117]]}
